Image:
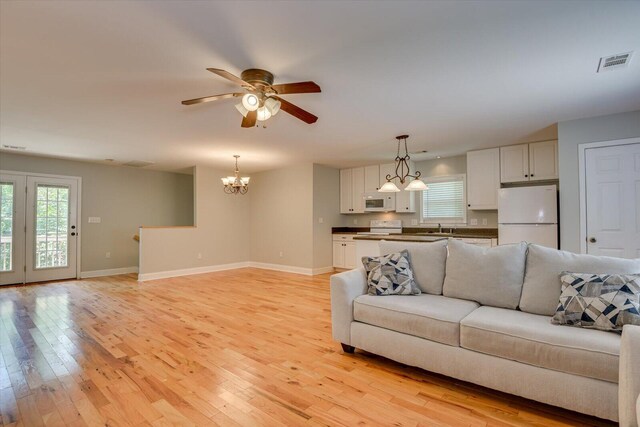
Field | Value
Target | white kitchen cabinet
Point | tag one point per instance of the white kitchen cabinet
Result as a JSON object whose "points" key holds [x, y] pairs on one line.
{"points": [[537, 161], [543, 160], [514, 163], [405, 200], [483, 179], [371, 178], [344, 251], [351, 190]]}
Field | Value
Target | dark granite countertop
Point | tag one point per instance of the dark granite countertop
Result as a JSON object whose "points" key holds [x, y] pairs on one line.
{"points": [[423, 233]]}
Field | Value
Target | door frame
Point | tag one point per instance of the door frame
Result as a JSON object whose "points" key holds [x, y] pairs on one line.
{"points": [[582, 174], [78, 179]]}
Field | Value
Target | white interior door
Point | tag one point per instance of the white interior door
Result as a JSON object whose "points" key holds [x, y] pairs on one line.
{"points": [[12, 216], [612, 177], [52, 228]]}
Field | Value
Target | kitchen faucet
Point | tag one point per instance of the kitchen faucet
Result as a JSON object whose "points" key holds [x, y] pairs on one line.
{"points": [[439, 228]]}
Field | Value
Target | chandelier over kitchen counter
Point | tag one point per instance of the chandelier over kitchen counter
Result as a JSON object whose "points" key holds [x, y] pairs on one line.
{"points": [[236, 184], [403, 172]]}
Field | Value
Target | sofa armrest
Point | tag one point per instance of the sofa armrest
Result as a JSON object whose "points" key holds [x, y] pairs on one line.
{"points": [[345, 287], [629, 382]]}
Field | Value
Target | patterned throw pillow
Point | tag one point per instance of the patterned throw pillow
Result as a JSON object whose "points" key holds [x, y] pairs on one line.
{"points": [[390, 274], [599, 301]]}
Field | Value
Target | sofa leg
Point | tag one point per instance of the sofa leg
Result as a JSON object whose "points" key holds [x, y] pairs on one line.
{"points": [[348, 348]]}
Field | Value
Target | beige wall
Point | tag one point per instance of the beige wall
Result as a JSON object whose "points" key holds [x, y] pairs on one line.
{"points": [[123, 197], [570, 135], [429, 168], [326, 207], [281, 216], [219, 237]]}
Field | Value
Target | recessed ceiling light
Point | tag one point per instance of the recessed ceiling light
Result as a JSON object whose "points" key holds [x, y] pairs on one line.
{"points": [[438, 157]]}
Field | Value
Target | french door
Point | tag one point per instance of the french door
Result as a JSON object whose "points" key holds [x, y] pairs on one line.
{"points": [[39, 233]]}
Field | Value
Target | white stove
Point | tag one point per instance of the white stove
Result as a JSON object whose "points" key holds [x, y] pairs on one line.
{"points": [[383, 228]]}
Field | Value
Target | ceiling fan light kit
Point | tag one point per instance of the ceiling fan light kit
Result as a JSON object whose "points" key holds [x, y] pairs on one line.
{"points": [[261, 100], [403, 172]]}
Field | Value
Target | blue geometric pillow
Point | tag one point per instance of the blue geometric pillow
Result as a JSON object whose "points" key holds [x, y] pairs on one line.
{"points": [[599, 301], [390, 274]]}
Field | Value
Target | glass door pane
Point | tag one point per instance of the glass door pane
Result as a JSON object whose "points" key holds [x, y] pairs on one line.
{"points": [[6, 225], [52, 226]]}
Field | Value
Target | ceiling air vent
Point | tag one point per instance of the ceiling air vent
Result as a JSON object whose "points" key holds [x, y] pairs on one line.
{"points": [[137, 164], [614, 62], [13, 147]]}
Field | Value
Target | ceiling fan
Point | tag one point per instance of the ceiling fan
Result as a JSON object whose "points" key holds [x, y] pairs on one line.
{"points": [[260, 100]]}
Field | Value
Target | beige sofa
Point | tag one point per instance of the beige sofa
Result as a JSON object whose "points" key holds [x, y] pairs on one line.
{"points": [[484, 317]]}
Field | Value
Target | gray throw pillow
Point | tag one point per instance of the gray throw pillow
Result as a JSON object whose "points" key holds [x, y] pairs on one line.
{"points": [[390, 274], [599, 301]]}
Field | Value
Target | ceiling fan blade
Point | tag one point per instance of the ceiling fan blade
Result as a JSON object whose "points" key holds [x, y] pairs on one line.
{"points": [[227, 75], [250, 120], [210, 98], [296, 111], [300, 87]]}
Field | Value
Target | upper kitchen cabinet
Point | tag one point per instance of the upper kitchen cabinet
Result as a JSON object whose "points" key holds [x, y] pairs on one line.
{"points": [[514, 163], [405, 200], [543, 160], [537, 161], [352, 190], [371, 178], [483, 179]]}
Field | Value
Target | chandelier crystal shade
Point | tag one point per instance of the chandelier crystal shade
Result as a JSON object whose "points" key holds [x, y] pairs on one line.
{"points": [[403, 172], [236, 184]]}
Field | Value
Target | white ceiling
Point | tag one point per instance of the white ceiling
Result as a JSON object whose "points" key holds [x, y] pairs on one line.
{"points": [[97, 80]]}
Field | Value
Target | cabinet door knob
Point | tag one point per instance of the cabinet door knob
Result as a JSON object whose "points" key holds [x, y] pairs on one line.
{"points": [[592, 240], [526, 176], [532, 175], [469, 205]]}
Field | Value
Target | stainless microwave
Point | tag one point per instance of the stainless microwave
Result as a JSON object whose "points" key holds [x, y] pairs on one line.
{"points": [[379, 202]]}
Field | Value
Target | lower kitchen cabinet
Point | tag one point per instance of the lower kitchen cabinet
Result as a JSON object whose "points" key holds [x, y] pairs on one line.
{"points": [[344, 251]]}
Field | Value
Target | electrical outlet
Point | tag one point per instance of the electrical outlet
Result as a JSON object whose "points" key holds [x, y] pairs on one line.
{"points": [[473, 221], [199, 255], [95, 220], [107, 255], [321, 220], [355, 221], [484, 221], [281, 254], [414, 222]]}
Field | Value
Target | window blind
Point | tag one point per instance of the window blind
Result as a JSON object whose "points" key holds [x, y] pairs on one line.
{"points": [[444, 201]]}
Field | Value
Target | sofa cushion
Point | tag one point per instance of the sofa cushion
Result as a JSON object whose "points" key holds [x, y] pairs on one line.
{"points": [[599, 301], [541, 289], [532, 339], [490, 276], [427, 259], [433, 317]]}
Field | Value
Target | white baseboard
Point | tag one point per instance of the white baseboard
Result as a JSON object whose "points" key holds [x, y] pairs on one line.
{"points": [[291, 268], [189, 271], [233, 266], [109, 272]]}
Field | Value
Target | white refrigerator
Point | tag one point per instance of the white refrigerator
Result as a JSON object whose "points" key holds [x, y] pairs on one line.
{"points": [[528, 214]]}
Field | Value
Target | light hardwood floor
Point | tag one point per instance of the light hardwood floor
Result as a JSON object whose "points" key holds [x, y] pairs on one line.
{"points": [[244, 347]]}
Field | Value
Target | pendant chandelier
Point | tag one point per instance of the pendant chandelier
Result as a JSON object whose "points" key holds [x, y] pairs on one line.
{"points": [[403, 172], [236, 184]]}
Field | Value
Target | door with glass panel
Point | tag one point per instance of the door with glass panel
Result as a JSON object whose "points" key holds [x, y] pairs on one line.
{"points": [[52, 233], [12, 242]]}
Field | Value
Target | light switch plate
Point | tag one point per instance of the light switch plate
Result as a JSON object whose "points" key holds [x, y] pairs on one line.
{"points": [[414, 222], [474, 221], [484, 221], [95, 220]]}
